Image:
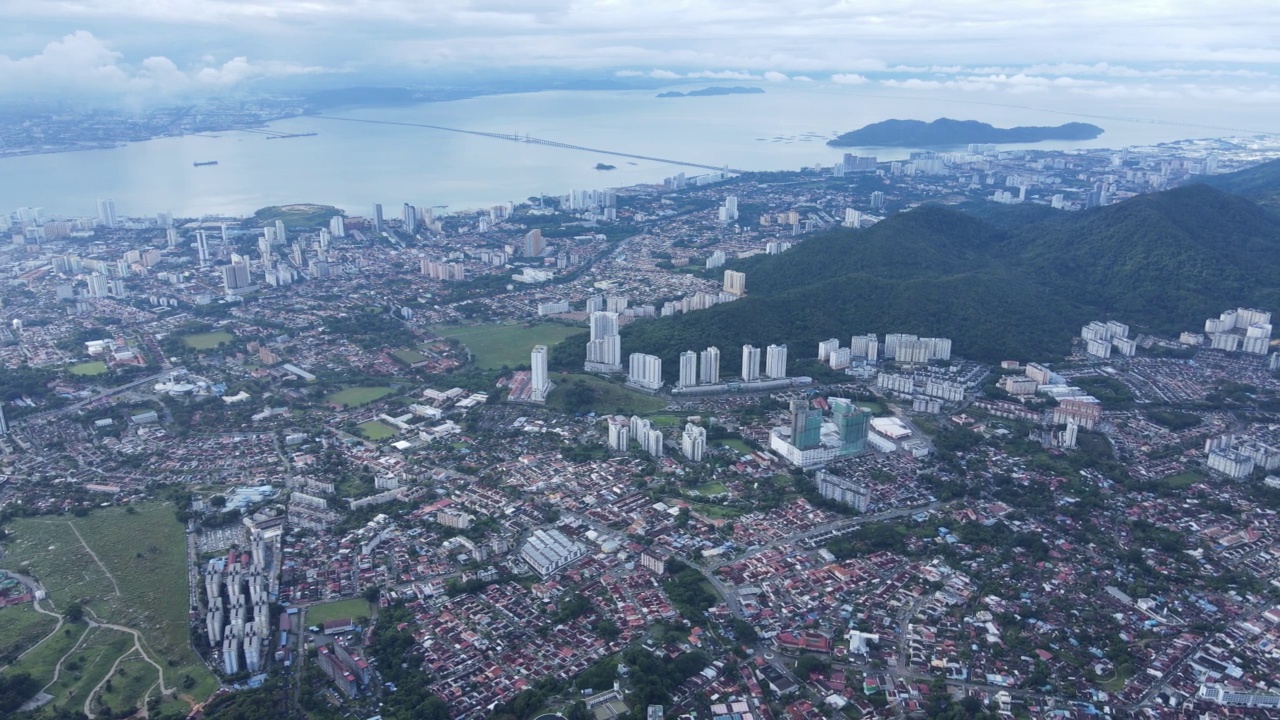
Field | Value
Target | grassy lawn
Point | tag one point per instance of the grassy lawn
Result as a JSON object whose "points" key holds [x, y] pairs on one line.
{"points": [[713, 488], [409, 357], [716, 512], [608, 398], [20, 628], [353, 608], [42, 660], [493, 346], [129, 684], [357, 396], [376, 430], [145, 553], [1182, 480], [875, 408], [92, 367], [88, 666], [664, 420], [734, 443], [207, 341]]}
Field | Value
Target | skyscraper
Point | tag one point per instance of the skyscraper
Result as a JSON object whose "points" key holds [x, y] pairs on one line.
{"points": [[852, 423], [4, 424], [604, 350], [235, 276], [735, 282], [533, 243], [202, 247], [775, 361], [806, 425], [409, 217], [693, 442], [750, 363], [281, 237], [539, 384], [688, 369], [645, 371], [709, 366], [107, 213], [729, 211], [377, 217], [337, 226]]}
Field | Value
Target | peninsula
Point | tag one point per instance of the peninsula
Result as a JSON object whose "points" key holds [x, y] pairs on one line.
{"points": [[704, 92], [945, 131]]}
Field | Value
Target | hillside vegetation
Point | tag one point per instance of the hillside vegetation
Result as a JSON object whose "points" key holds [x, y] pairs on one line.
{"points": [[1014, 283]]}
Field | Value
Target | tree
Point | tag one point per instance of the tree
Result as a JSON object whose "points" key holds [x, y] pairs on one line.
{"points": [[75, 612]]}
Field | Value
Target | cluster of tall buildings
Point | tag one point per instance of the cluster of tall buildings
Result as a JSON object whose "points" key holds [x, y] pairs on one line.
{"points": [[811, 441], [644, 371], [1100, 338], [693, 442], [1240, 330], [623, 430], [1237, 457], [604, 349], [843, 490], [238, 593], [728, 211], [699, 368], [603, 204], [441, 270], [906, 349]]}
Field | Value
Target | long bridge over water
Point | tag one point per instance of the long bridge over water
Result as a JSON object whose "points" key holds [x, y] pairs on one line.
{"points": [[538, 141]]}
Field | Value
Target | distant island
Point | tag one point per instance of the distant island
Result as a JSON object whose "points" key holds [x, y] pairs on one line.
{"points": [[604, 166], [945, 131], [704, 92]]}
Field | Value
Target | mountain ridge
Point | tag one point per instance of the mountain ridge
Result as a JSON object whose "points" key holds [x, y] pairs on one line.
{"points": [[946, 132]]}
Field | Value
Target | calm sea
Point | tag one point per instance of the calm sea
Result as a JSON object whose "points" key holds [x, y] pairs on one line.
{"points": [[353, 165]]}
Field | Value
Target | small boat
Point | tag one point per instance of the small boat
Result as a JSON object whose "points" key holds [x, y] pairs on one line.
{"points": [[205, 163]]}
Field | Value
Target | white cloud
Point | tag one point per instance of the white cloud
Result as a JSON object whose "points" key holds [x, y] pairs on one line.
{"points": [[82, 63], [849, 79]]}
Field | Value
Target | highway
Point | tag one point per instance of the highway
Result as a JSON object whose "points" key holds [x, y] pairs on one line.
{"points": [[538, 141], [95, 398]]}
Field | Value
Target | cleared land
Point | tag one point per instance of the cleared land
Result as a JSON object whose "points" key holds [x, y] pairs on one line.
{"points": [[493, 346], [376, 430], [357, 396], [92, 367], [607, 397], [127, 569], [207, 341], [353, 608]]}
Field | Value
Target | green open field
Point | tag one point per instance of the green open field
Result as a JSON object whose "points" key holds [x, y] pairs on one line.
{"points": [[608, 397], [1182, 480], [20, 628], [357, 396], [735, 444], [376, 430], [92, 367], [712, 488], [41, 660], [138, 579], [409, 357], [493, 346], [353, 608], [207, 341], [665, 420]]}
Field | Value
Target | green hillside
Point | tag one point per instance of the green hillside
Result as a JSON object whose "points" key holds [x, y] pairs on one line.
{"points": [[1260, 183], [1014, 283]]}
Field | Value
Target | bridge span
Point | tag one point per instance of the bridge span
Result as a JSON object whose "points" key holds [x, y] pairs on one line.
{"points": [[537, 141]]}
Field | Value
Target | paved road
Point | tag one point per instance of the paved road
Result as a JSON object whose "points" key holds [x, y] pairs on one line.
{"points": [[105, 393]]}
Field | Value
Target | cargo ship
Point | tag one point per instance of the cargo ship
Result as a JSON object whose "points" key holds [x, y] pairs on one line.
{"points": [[205, 163]]}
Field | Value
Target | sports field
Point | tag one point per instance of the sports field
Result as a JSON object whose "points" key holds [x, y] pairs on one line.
{"points": [[321, 614], [357, 396], [92, 367], [128, 569], [376, 430], [735, 444], [493, 346], [207, 341], [409, 357]]}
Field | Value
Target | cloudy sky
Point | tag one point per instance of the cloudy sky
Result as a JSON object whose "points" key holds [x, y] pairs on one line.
{"points": [[155, 49]]}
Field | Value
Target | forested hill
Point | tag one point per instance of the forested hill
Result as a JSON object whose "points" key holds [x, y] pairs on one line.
{"points": [[1260, 183], [1013, 284]]}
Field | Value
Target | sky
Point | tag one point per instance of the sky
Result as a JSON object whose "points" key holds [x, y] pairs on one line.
{"points": [[156, 50]]}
